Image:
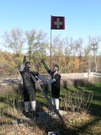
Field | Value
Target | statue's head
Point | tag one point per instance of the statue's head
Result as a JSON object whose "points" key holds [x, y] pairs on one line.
{"points": [[55, 68], [27, 64]]}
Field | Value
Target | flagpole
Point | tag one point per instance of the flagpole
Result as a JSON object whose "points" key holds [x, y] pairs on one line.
{"points": [[50, 57], [50, 47]]}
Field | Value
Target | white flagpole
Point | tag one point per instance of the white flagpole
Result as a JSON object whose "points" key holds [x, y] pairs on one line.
{"points": [[50, 47], [50, 56]]}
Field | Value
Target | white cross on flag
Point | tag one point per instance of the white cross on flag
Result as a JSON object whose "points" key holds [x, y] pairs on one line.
{"points": [[57, 22]]}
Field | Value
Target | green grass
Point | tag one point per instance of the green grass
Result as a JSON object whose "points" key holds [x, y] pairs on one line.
{"points": [[75, 126], [96, 104], [2, 105]]}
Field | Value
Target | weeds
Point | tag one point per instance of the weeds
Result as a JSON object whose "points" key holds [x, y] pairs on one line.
{"points": [[76, 103]]}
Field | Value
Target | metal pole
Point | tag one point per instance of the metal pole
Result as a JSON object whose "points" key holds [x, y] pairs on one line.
{"points": [[50, 48], [56, 111], [50, 58]]}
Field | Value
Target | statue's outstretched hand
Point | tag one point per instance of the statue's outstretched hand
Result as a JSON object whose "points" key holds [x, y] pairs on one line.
{"points": [[22, 66], [24, 59]]}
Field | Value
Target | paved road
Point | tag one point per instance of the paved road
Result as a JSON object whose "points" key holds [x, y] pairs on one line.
{"points": [[18, 80]]}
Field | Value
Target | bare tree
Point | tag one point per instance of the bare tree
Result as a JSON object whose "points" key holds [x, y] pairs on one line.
{"points": [[94, 41], [14, 40], [37, 44], [73, 55], [31, 38], [57, 50], [68, 54], [87, 59], [79, 50]]}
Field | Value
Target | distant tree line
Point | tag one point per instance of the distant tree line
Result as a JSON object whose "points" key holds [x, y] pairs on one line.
{"points": [[71, 55]]}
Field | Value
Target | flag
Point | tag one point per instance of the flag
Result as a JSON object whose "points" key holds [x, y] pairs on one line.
{"points": [[57, 22]]}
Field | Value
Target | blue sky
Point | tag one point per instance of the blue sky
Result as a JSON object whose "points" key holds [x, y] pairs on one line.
{"points": [[82, 17]]}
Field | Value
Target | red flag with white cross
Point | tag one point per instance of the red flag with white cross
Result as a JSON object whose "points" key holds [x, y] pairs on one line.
{"points": [[57, 22]]}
